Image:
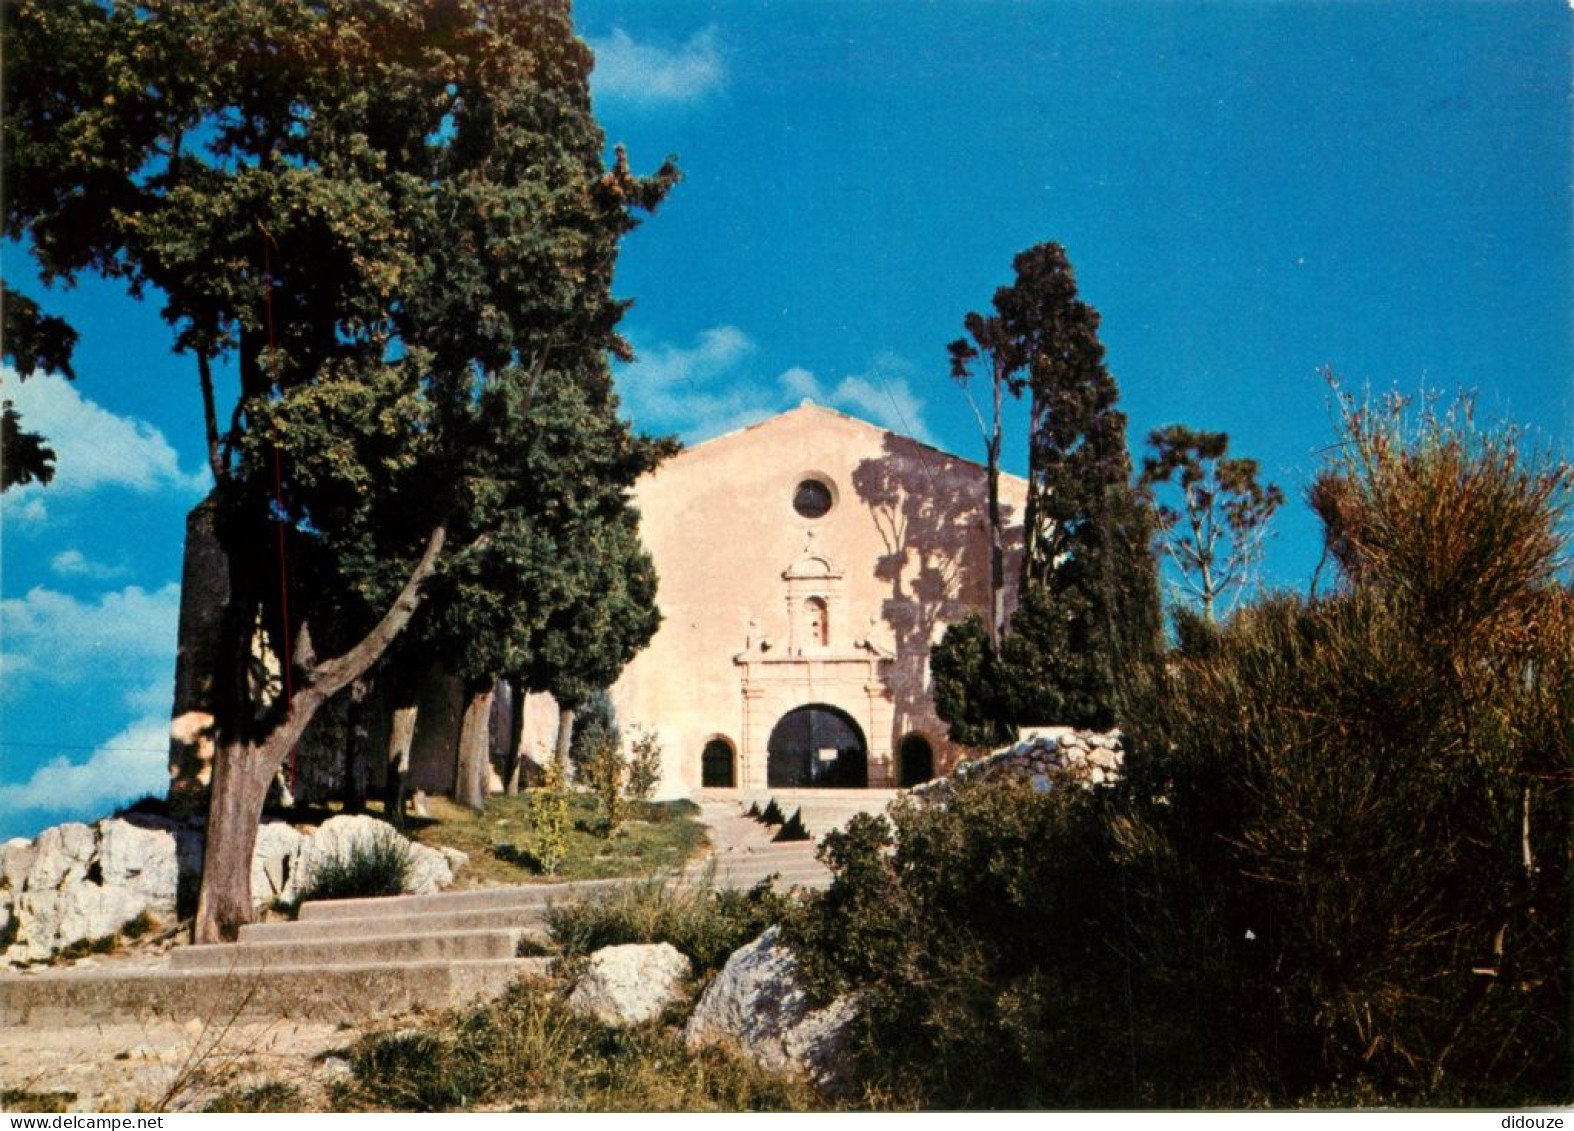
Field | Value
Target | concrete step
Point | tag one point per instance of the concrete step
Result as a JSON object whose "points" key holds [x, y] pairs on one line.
{"points": [[528, 920], [70, 998], [475, 899], [452, 946]]}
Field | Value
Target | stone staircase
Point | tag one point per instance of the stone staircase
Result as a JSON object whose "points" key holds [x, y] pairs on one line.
{"points": [[340, 961], [745, 854], [348, 960]]}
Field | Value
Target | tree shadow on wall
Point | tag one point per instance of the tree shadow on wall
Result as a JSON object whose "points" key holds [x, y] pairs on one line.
{"points": [[931, 510]]}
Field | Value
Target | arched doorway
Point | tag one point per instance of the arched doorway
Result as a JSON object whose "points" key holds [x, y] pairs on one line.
{"points": [[717, 765], [916, 761], [817, 745]]}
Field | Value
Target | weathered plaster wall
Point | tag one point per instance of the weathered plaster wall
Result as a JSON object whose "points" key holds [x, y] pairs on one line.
{"points": [[902, 552]]}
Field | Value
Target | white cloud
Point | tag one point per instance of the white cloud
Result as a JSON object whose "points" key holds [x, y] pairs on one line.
{"points": [[21, 506], [704, 390], [72, 563], [94, 447], [133, 763], [646, 74], [124, 637]]}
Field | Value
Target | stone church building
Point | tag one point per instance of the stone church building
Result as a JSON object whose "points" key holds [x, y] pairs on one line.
{"points": [[805, 566]]}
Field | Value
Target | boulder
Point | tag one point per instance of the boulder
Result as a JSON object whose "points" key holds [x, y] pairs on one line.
{"points": [[16, 861], [61, 856], [628, 984], [54, 918], [143, 860], [429, 869], [274, 861], [759, 1005]]}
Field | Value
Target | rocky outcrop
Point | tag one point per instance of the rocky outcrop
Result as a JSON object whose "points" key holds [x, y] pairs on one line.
{"points": [[77, 882], [626, 985], [431, 869], [758, 1005], [1089, 757]]}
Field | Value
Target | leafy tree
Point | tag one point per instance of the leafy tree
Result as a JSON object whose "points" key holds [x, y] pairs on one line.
{"points": [[1215, 534], [377, 213], [32, 341], [1087, 616], [969, 686]]}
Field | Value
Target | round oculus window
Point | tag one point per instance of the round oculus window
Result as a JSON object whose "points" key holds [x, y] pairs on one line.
{"points": [[812, 499]]}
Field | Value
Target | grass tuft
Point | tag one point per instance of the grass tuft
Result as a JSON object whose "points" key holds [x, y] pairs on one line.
{"points": [[377, 865]]}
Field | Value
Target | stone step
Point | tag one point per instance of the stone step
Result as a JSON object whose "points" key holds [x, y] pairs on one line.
{"points": [[524, 920], [373, 950], [332, 994], [475, 899]]}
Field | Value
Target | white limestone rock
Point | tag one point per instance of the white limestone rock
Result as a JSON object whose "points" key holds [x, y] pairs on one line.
{"points": [[274, 862], [54, 918], [143, 860], [629, 984], [16, 861], [61, 857], [429, 868], [758, 1004]]}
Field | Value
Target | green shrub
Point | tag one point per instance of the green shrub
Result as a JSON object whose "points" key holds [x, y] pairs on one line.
{"points": [[376, 865], [604, 772], [549, 816], [272, 1097], [530, 1052], [773, 814], [644, 767], [982, 946], [705, 924]]}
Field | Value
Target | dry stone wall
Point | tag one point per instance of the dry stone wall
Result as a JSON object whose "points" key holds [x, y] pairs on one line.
{"points": [[77, 882], [1089, 757]]}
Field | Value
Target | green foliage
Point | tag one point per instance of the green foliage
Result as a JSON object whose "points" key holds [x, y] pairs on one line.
{"points": [[1087, 618], [530, 1052], [1337, 872], [369, 866], [604, 774], [595, 725], [983, 948], [969, 687], [773, 814], [273, 1097], [40, 1103], [644, 773], [1214, 535], [1375, 787], [705, 924], [549, 814]]}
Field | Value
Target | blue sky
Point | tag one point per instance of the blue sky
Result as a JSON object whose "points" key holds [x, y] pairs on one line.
{"points": [[1249, 192]]}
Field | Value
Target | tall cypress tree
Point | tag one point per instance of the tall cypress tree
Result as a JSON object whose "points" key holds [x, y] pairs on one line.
{"points": [[1088, 610]]}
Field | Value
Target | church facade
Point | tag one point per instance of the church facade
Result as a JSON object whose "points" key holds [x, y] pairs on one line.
{"points": [[806, 564]]}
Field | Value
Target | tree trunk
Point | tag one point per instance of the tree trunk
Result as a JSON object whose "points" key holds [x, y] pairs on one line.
{"points": [[244, 766], [358, 723], [473, 769], [241, 777], [512, 760], [403, 691], [565, 736]]}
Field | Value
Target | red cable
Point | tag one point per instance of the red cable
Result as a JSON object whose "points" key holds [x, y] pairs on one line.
{"points": [[278, 497]]}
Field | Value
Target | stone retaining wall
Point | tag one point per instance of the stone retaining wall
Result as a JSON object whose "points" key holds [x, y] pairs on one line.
{"points": [[1091, 757]]}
